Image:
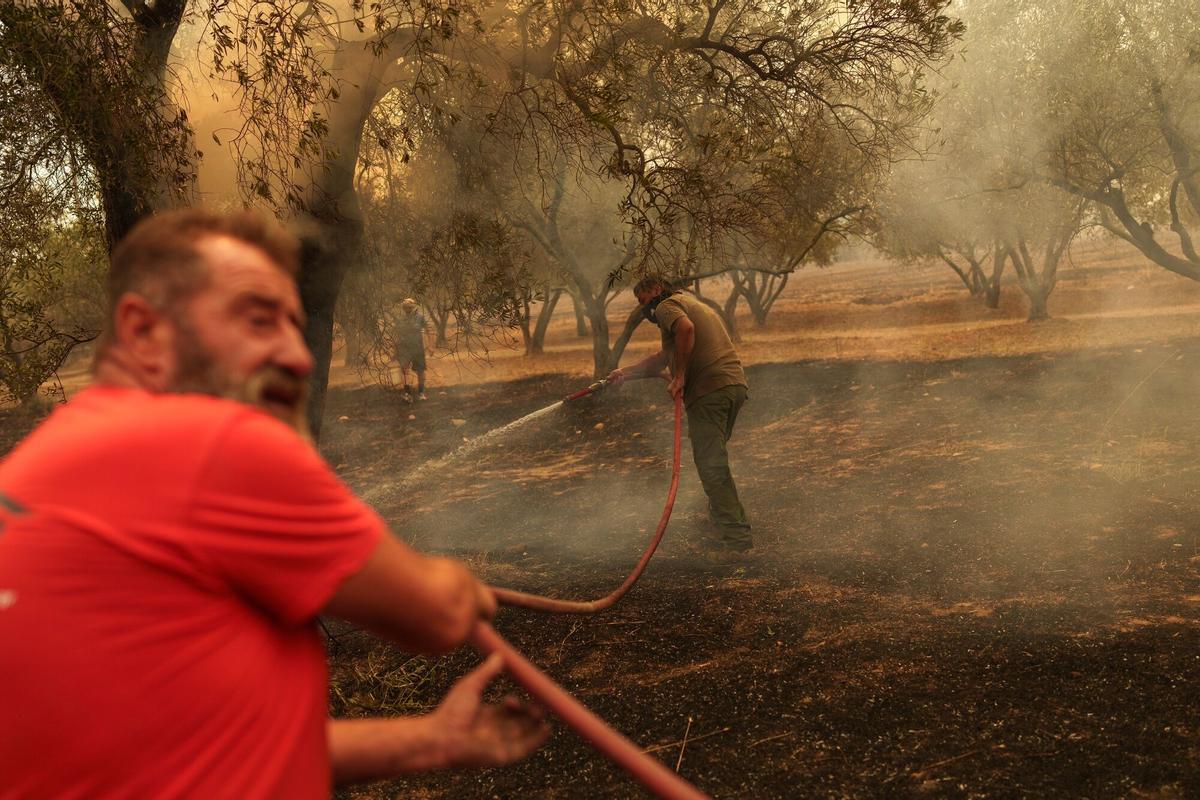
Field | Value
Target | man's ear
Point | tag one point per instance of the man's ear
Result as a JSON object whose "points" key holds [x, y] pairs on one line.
{"points": [[146, 335]]}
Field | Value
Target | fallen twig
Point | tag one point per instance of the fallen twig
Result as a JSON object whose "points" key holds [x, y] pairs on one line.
{"points": [[682, 747], [946, 761], [1133, 391], [561, 645], [668, 745], [770, 738]]}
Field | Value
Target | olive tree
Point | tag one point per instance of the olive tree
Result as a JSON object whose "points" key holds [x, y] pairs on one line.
{"points": [[51, 242], [308, 78], [1120, 87]]}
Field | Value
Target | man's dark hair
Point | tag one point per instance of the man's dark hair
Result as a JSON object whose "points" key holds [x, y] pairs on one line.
{"points": [[649, 282], [159, 259]]}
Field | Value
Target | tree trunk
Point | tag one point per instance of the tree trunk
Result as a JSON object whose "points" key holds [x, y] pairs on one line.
{"points": [[1139, 234], [526, 334], [729, 314], [736, 289], [325, 254], [1037, 305], [135, 136], [537, 342], [123, 207], [964, 275], [634, 319], [581, 321], [601, 353], [355, 343], [978, 280], [992, 297], [333, 217], [441, 319], [761, 292], [778, 284], [1037, 286]]}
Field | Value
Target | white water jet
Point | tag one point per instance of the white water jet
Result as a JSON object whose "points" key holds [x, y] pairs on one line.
{"points": [[470, 447]]}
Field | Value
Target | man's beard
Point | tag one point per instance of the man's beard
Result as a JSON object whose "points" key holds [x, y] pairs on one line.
{"points": [[271, 389]]}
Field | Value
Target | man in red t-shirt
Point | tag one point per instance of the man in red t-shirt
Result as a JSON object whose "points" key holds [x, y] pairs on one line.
{"points": [[166, 547]]}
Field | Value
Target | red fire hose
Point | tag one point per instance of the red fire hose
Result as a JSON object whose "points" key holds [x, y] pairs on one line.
{"points": [[511, 597], [649, 771]]}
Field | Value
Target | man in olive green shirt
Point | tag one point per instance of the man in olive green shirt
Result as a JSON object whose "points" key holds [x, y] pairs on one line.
{"points": [[706, 370]]}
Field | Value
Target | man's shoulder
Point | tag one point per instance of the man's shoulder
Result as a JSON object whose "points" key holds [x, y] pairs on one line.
{"points": [[109, 438], [670, 309], [139, 422], [682, 304], [688, 303], [181, 411], [674, 301]]}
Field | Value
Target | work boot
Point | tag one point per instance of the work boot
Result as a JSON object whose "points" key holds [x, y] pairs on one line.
{"points": [[723, 546], [406, 397], [731, 539], [715, 539], [730, 557], [422, 396]]}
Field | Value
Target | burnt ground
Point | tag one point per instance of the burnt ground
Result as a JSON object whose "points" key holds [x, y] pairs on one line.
{"points": [[973, 577]]}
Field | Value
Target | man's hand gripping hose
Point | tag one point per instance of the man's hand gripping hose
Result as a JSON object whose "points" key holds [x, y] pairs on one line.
{"points": [[646, 769]]}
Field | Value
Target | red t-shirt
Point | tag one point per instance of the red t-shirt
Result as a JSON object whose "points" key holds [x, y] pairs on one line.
{"points": [[162, 560]]}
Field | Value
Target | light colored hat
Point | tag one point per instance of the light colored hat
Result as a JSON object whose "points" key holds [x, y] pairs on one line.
{"points": [[408, 303]]}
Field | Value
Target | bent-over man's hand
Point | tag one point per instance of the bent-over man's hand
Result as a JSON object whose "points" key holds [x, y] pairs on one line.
{"points": [[616, 377], [675, 387], [478, 734]]}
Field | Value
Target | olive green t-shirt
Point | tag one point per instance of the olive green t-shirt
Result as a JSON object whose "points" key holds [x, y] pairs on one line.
{"points": [[714, 362]]}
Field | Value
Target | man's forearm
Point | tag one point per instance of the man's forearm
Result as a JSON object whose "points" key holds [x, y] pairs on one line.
{"points": [[373, 749], [463, 732], [425, 604], [685, 340], [648, 366]]}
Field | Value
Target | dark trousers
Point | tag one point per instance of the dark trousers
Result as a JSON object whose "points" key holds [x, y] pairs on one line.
{"points": [[412, 353], [710, 424]]}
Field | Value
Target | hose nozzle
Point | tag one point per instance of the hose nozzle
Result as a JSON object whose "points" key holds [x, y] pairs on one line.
{"points": [[592, 389]]}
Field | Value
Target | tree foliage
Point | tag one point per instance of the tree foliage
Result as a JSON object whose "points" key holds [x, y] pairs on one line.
{"points": [[686, 108], [103, 73], [984, 196], [1125, 130], [51, 242]]}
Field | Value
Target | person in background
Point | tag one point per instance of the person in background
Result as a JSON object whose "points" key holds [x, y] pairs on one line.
{"points": [[707, 371], [411, 330], [168, 540]]}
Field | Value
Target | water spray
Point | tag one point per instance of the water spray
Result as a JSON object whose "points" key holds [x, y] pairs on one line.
{"points": [[511, 597], [646, 769]]}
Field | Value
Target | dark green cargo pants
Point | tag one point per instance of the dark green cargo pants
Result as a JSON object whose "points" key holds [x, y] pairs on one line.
{"points": [[710, 424]]}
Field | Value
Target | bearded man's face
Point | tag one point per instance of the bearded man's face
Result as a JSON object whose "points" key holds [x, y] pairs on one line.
{"points": [[241, 336]]}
